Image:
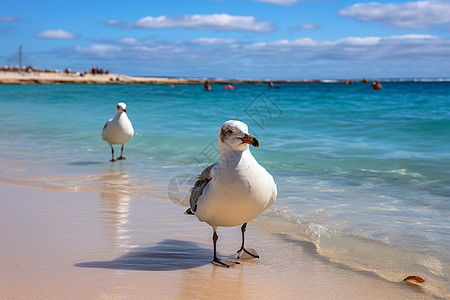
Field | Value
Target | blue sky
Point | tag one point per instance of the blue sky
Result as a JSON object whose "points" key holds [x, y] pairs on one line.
{"points": [[264, 39]]}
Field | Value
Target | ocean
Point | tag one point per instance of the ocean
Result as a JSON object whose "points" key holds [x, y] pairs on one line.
{"points": [[363, 174]]}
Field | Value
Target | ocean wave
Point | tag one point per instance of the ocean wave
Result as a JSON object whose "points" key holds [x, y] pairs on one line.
{"points": [[373, 250], [402, 172]]}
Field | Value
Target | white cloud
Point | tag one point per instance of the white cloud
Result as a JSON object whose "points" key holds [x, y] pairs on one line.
{"points": [[56, 34], [306, 26], [218, 22], [403, 47], [213, 41], [412, 37], [412, 15], [133, 41], [352, 41], [9, 19], [351, 49], [357, 41], [279, 2], [391, 55], [97, 50], [129, 41], [126, 41], [114, 23]]}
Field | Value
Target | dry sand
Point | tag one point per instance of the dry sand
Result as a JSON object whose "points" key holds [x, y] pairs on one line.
{"points": [[10, 77], [40, 77], [108, 245]]}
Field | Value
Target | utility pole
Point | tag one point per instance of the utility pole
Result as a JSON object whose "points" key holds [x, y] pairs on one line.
{"points": [[20, 56]]}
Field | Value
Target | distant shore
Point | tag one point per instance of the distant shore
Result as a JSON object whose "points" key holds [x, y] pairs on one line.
{"points": [[24, 76], [41, 77]]}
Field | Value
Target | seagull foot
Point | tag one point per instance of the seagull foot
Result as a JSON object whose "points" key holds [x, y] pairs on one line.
{"points": [[121, 158], [112, 159], [249, 252], [220, 263]]}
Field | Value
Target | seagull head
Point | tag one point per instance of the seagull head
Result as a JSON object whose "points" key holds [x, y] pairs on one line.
{"points": [[121, 107], [233, 135]]}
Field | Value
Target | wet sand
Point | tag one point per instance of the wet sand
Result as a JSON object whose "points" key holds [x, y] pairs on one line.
{"points": [[108, 245]]}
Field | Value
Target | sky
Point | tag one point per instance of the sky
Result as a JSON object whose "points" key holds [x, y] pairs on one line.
{"points": [[242, 39]]}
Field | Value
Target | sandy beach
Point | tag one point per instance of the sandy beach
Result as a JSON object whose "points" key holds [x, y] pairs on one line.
{"points": [[12, 77], [40, 77], [108, 245]]}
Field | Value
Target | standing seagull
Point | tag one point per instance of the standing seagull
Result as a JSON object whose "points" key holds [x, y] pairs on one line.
{"points": [[118, 130], [235, 190]]}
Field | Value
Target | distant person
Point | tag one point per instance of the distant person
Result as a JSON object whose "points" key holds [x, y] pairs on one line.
{"points": [[376, 85], [271, 86], [207, 86]]}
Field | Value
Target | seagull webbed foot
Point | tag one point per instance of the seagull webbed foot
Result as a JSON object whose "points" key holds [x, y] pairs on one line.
{"points": [[250, 252], [121, 158], [220, 263]]}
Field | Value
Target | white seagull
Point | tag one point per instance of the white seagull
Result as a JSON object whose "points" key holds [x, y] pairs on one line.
{"points": [[118, 130], [235, 190]]}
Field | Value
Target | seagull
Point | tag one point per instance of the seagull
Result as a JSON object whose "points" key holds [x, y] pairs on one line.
{"points": [[118, 130], [234, 191]]}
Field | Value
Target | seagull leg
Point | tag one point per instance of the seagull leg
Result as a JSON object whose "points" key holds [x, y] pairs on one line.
{"points": [[242, 249], [121, 152], [216, 260], [112, 153]]}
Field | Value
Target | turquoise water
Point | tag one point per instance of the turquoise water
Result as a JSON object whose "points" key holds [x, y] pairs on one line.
{"points": [[363, 174]]}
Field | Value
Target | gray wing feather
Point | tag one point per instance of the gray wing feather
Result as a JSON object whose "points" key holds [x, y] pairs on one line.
{"points": [[104, 127], [106, 124], [197, 190]]}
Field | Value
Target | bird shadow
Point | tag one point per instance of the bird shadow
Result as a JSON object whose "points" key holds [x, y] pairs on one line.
{"points": [[167, 255]]}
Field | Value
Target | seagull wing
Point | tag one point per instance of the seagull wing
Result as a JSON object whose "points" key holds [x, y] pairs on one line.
{"points": [[197, 190], [104, 127]]}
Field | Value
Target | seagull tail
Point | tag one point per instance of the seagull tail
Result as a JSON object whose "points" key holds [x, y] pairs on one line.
{"points": [[188, 212]]}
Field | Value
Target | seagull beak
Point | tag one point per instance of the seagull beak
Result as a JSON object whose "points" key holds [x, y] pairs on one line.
{"points": [[248, 139], [125, 111]]}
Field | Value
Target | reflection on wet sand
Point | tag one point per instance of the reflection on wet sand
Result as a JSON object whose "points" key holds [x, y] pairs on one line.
{"points": [[115, 203], [222, 283]]}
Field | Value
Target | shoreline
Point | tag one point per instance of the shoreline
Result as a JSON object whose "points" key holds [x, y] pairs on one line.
{"points": [[60, 244], [41, 77]]}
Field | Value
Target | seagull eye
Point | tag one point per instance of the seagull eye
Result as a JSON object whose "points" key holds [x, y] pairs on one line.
{"points": [[230, 131]]}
